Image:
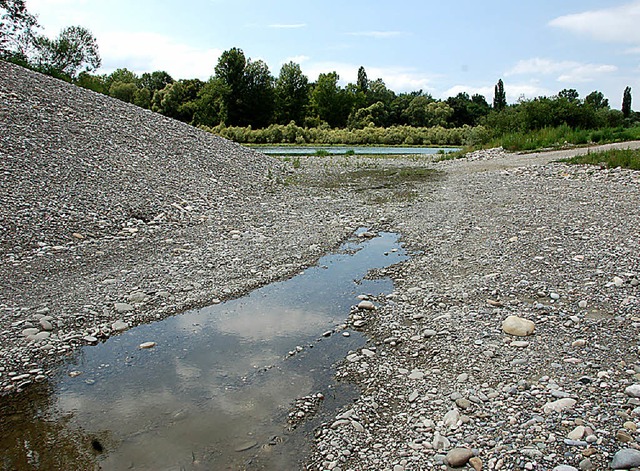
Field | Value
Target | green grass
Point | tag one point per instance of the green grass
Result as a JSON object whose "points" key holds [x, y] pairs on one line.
{"points": [[562, 136], [626, 158]]}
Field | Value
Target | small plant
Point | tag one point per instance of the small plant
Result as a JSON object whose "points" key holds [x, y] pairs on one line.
{"points": [[350, 152], [322, 153], [296, 163]]}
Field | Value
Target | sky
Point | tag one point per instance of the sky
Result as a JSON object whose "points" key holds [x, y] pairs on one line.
{"points": [[537, 47]]}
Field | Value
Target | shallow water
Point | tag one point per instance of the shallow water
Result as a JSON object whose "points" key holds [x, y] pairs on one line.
{"points": [[215, 391], [358, 150]]}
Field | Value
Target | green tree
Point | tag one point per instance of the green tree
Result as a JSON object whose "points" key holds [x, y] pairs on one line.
{"points": [[209, 107], [123, 75], [569, 94], [424, 111], [124, 91], [155, 80], [17, 31], [626, 102], [97, 83], [331, 103], [363, 81], [74, 49], [291, 94], [259, 94], [597, 100], [374, 115], [499, 97], [230, 73]]}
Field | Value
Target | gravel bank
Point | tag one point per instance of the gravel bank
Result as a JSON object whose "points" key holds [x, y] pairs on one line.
{"points": [[502, 235], [112, 216]]}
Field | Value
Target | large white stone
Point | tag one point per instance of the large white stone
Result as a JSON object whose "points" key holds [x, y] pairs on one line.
{"points": [[518, 326]]}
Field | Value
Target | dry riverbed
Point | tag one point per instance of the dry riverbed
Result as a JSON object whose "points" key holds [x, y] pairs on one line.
{"points": [[112, 216]]}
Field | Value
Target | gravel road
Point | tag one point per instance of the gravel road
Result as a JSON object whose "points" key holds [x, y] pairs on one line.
{"points": [[112, 216]]}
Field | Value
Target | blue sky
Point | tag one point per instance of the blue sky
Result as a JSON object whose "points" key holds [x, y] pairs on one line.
{"points": [[537, 47]]}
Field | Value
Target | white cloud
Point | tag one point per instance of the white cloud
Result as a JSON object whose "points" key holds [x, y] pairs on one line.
{"points": [[617, 24], [565, 71], [288, 26], [398, 79], [377, 34], [297, 59], [148, 52], [487, 92]]}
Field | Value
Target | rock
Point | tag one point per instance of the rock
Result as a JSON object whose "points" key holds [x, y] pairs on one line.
{"points": [[46, 325], [476, 463], [428, 333], [147, 345], [623, 436], [413, 396], [451, 418], [633, 390], [586, 465], [366, 305], [439, 442], [582, 304], [518, 326], [463, 403], [577, 433], [30, 331], [520, 343], [246, 446], [458, 457], [136, 297], [462, 377], [90, 339], [626, 458], [559, 405], [120, 326], [122, 307], [564, 467]]}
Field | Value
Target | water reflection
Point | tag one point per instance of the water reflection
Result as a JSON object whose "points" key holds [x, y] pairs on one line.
{"points": [[216, 389]]}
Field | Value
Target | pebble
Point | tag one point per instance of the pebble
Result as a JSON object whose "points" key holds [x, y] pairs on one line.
{"points": [[458, 457], [122, 308], [366, 305], [626, 458], [559, 406], [145, 345], [633, 390], [518, 326], [120, 326]]}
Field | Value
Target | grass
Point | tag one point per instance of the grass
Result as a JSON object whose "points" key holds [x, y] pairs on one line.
{"points": [[626, 158], [562, 136]]}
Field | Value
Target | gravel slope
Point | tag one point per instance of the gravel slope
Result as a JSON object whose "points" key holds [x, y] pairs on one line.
{"points": [[112, 216]]}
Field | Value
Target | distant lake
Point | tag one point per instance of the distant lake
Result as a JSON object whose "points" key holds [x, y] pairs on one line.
{"points": [[359, 150]]}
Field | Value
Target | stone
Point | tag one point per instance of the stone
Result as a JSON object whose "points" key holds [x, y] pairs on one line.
{"points": [[428, 333], [518, 326], [476, 463], [577, 433], [451, 418], [439, 442], [136, 297], [122, 307], [147, 345], [120, 326], [458, 457], [30, 331], [366, 305], [586, 465], [520, 343], [463, 403], [246, 446], [623, 436], [413, 396], [564, 467], [46, 325], [625, 458], [90, 339], [582, 304], [559, 405], [633, 390]]}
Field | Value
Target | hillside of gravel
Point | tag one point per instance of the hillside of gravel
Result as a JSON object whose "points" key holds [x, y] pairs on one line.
{"points": [[112, 216]]}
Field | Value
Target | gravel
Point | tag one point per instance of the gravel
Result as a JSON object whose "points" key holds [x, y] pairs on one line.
{"points": [[113, 216]]}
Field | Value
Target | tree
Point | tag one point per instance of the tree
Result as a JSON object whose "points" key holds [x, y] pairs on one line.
{"points": [[125, 91], [499, 97], [259, 94], [155, 80], [569, 94], [74, 49], [363, 81], [17, 31], [597, 100], [626, 102], [291, 94], [330, 102], [230, 73]]}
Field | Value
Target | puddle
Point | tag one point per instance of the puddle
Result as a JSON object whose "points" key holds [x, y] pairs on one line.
{"points": [[215, 391]]}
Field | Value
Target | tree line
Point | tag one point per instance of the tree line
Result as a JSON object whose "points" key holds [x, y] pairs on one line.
{"points": [[243, 93]]}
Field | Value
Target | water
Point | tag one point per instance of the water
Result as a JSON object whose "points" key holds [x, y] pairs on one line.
{"points": [[358, 150], [216, 390]]}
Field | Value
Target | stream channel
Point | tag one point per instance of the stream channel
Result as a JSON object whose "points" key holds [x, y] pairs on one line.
{"points": [[216, 390]]}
